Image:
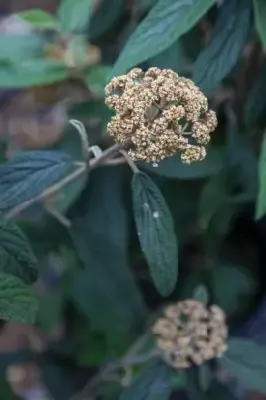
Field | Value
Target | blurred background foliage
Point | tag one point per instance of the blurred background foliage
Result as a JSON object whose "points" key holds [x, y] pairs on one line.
{"points": [[97, 291]]}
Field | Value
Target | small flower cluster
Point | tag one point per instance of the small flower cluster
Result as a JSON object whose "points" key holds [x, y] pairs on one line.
{"points": [[153, 112], [189, 333]]}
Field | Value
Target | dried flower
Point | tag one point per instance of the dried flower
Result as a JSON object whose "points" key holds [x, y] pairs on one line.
{"points": [[189, 333], [157, 112]]}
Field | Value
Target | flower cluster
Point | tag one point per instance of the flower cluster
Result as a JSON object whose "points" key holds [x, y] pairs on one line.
{"points": [[159, 113], [189, 333]]}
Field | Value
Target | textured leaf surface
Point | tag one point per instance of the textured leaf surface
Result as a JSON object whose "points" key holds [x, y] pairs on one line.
{"points": [[227, 41], [174, 168], [245, 361], [18, 302], [164, 24], [154, 383], [36, 72], [261, 197], [16, 256], [28, 174], [105, 289], [260, 19], [38, 19], [74, 15], [156, 232]]}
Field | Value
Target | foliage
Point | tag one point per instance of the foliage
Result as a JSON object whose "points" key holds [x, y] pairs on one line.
{"points": [[93, 245]]}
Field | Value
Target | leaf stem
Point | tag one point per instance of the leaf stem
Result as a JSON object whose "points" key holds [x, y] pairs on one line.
{"points": [[130, 162]]}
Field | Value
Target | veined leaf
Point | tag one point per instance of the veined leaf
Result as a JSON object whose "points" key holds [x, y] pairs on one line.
{"points": [[18, 302], [227, 41], [32, 72], [16, 256], [74, 15], [245, 360], [164, 24], [28, 174], [261, 197], [155, 228], [38, 19], [260, 19], [154, 383]]}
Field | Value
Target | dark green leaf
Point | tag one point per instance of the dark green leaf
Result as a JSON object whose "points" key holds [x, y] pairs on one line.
{"points": [[16, 256], [201, 293], [260, 19], [174, 168], [219, 391], [74, 15], [18, 48], [240, 287], [255, 105], [227, 41], [50, 310], [38, 19], [105, 290], [164, 24], [261, 197], [172, 58], [28, 174], [156, 232], [36, 72], [18, 302], [105, 17], [245, 360], [96, 79], [154, 383]]}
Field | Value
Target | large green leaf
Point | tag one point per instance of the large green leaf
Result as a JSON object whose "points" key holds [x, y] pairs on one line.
{"points": [[164, 24], [261, 197], [32, 72], [74, 15], [255, 105], [38, 19], [105, 17], [156, 233], [28, 174], [245, 360], [153, 383], [173, 168], [172, 58], [227, 41], [15, 48], [18, 302], [260, 19], [16, 256], [105, 289]]}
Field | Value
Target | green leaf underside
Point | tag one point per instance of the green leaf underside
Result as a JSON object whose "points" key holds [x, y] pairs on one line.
{"points": [[164, 24], [16, 256], [156, 232], [261, 197], [227, 41], [245, 360], [153, 383], [18, 302], [28, 174]]}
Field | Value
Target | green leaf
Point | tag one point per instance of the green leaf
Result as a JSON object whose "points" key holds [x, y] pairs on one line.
{"points": [[228, 39], [173, 168], [16, 256], [28, 174], [245, 360], [240, 287], [36, 72], [156, 232], [261, 197], [105, 16], [164, 24], [50, 310], [104, 289], [96, 79], [201, 293], [21, 47], [255, 105], [172, 58], [260, 19], [18, 302], [153, 383], [38, 19], [74, 16]]}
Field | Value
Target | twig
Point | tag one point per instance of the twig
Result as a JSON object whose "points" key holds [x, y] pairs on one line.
{"points": [[130, 162]]}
